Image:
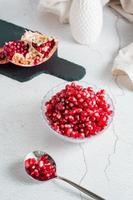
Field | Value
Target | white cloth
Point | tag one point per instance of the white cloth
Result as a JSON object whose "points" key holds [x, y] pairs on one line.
{"points": [[123, 7], [57, 7], [60, 8], [123, 63]]}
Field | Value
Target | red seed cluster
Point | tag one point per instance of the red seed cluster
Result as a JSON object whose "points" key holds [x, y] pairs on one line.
{"points": [[78, 112], [13, 47], [42, 169], [45, 47], [3, 59], [2, 55]]}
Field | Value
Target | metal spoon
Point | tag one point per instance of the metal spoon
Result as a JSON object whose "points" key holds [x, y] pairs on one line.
{"points": [[37, 156]]}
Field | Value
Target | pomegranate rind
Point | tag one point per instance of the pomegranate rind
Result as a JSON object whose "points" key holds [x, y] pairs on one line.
{"points": [[35, 37], [3, 58]]}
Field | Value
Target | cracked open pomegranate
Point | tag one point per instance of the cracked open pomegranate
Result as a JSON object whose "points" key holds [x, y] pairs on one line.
{"points": [[77, 112], [32, 49], [3, 58]]}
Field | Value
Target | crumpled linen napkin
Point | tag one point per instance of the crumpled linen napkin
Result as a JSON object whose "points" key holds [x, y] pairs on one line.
{"points": [[123, 63], [60, 8], [123, 7]]}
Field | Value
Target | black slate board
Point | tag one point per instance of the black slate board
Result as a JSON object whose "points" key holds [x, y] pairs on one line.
{"points": [[55, 66]]}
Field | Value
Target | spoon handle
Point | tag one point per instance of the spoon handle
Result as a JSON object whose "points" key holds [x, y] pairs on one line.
{"points": [[85, 191]]}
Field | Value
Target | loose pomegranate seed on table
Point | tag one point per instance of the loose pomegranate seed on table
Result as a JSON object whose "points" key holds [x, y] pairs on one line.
{"points": [[78, 112], [41, 169]]}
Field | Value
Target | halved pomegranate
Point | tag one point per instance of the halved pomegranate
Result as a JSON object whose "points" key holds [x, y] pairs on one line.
{"points": [[33, 49], [3, 58]]}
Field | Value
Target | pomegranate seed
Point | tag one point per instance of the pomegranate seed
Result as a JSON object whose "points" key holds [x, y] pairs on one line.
{"points": [[74, 134], [41, 163], [3, 58], [78, 96], [35, 173], [68, 132], [71, 118], [60, 106], [81, 135], [81, 100], [71, 105]]}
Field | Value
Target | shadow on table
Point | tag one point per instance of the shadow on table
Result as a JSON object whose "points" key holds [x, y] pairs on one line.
{"points": [[56, 143], [17, 173]]}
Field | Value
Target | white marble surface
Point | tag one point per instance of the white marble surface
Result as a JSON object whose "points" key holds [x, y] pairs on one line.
{"points": [[104, 164]]}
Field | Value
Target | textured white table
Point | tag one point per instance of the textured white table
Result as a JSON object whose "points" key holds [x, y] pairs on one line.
{"points": [[104, 164]]}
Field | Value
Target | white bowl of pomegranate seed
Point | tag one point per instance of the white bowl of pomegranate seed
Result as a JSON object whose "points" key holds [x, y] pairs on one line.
{"points": [[76, 111]]}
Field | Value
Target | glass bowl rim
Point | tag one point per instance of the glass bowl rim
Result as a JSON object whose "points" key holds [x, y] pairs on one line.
{"points": [[66, 138]]}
